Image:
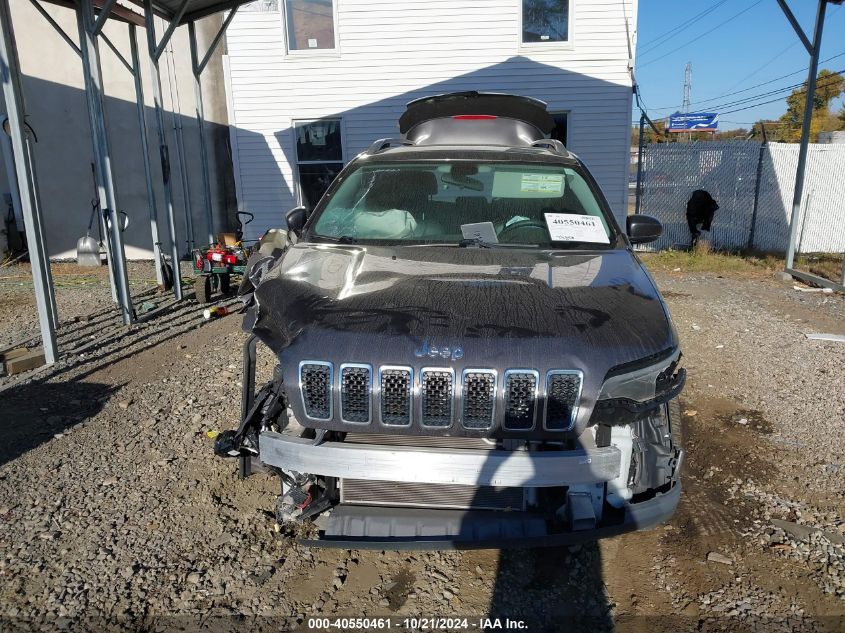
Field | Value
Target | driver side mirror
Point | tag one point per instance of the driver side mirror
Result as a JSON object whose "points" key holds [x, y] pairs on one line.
{"points": [[295, 219], [642, 229]]}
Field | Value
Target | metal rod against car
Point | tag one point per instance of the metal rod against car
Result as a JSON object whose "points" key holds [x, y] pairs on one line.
{"points": [[38, 257], [56, 26], [149, 18], [808, 118], [145, 151], [102, 156], [200, 114]]}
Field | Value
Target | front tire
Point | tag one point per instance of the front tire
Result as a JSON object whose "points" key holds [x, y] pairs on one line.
{"points": [[202, 289]]}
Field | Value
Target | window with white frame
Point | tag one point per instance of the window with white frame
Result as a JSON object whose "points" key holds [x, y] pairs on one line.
{"points": [[319, 157], [310, 24], [545, 21]]}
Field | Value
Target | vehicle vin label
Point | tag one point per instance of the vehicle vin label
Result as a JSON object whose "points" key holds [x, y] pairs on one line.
{"points": [[565, 227]]}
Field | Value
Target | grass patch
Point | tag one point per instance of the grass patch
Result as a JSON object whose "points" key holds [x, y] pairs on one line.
{"points": [[702, 259], [827, 265]]}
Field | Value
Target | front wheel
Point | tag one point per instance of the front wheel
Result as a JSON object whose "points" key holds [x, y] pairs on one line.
{"points": [[202, 289]]}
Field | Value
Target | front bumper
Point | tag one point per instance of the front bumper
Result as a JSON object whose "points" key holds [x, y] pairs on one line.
{"points": [[441, 465], [405, 529], [388, 527]]}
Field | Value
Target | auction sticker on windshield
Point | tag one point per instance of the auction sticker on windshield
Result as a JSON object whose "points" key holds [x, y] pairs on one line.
{"points": [[542, 183], [564, 227]]}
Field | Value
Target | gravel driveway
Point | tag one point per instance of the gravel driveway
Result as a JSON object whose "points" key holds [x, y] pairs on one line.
{"points": [[115, 514]]}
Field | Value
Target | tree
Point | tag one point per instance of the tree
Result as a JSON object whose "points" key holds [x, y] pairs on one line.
{"points": [[829, 85], [842, 118]]}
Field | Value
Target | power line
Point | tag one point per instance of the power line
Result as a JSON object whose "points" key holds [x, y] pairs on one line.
{"points": [[656, 42], [764, 83], [695, 39], [803, 90]]}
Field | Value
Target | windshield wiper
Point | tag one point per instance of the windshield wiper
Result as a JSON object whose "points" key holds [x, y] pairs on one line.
{"points": [[340, 239], [474, 241]]}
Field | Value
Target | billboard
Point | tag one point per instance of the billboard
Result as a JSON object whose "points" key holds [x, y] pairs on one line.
{"points": [[693, 122]]}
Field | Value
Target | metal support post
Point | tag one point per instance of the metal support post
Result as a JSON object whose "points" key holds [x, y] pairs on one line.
{"points": [[145, 150], [13, 93], [200, 114], [152, 49], [639, 192], [102, 156], [808, 118]]}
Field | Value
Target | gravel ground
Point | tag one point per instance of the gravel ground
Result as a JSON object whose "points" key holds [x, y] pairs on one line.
{"points": [[115, 514]]}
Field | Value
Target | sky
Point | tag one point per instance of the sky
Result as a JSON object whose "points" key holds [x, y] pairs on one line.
{"points": [[734, 46]]}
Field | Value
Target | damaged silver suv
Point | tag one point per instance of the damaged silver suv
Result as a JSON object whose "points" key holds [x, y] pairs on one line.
{"points": [[469, 352]]}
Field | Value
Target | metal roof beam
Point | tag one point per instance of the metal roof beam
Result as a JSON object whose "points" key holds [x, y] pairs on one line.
{"points": [[171, 27], [105, 10], [56, 26], [198, 68], [795, 25], [118, 54], [227, 5]]}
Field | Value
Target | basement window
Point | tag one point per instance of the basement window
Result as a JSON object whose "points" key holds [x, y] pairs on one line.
{"points": [[310, 25], [545, 21]]}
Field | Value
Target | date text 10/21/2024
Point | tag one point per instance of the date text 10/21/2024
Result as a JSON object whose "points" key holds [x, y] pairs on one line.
{"points": [[416, 624]]}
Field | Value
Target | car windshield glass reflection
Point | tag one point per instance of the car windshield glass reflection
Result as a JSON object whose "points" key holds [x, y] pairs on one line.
{"points": [[547, 206]]}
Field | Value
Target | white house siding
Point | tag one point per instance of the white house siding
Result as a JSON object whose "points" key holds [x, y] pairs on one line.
{"points": [[392, 52]]}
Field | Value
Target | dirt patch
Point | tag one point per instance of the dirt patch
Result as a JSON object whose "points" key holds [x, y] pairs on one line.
{"points": [[399, 588]]}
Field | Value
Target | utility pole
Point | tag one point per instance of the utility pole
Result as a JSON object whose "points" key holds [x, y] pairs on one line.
{"points": [[687, 89]]}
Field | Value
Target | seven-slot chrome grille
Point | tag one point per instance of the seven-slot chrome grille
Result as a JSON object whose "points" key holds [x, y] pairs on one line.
{"points": [[434, 397], [315, 383], [437, 393]]}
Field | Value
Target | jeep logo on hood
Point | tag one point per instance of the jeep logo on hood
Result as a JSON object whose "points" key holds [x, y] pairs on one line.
{"points": [[431, 351]]}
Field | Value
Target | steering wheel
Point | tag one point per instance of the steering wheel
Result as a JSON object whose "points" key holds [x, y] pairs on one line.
{"points": [[520, 225]]}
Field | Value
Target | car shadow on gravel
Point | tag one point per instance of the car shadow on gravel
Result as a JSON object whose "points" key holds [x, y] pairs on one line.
{"points": [[34, 413], [551, 589]]}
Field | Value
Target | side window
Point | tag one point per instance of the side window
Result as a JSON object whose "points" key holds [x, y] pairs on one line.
{"points": [[560, 130], [310, 25], [319, 157], [545, 21]]}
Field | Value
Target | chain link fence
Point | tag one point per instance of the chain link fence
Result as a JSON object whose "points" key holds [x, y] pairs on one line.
{"points": [[753, 184]]}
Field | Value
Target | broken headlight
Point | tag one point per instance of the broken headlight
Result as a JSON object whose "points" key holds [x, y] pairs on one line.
{"points": [[634, 389]]}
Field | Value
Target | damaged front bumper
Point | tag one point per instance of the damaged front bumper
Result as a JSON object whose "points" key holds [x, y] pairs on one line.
{"points": [[579, 476]]}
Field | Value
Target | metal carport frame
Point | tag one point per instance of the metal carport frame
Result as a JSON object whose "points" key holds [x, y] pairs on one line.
{"points": [[176, 12]]}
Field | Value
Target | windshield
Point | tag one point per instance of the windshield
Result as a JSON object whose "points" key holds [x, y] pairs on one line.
{"points": [[461, 202]]}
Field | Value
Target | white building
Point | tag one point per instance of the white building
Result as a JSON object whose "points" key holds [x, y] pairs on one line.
{"points": [[311, 83]]}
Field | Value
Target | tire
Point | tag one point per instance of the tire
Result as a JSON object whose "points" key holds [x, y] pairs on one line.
{"points": [[225, 283], [167, 276], [202, 289]]}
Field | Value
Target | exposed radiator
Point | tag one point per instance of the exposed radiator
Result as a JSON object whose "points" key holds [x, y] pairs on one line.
{"points": [[422, 441], [422, 495]]}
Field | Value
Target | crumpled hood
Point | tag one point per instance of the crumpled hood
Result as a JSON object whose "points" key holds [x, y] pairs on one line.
{"points": [[502, 308]]}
